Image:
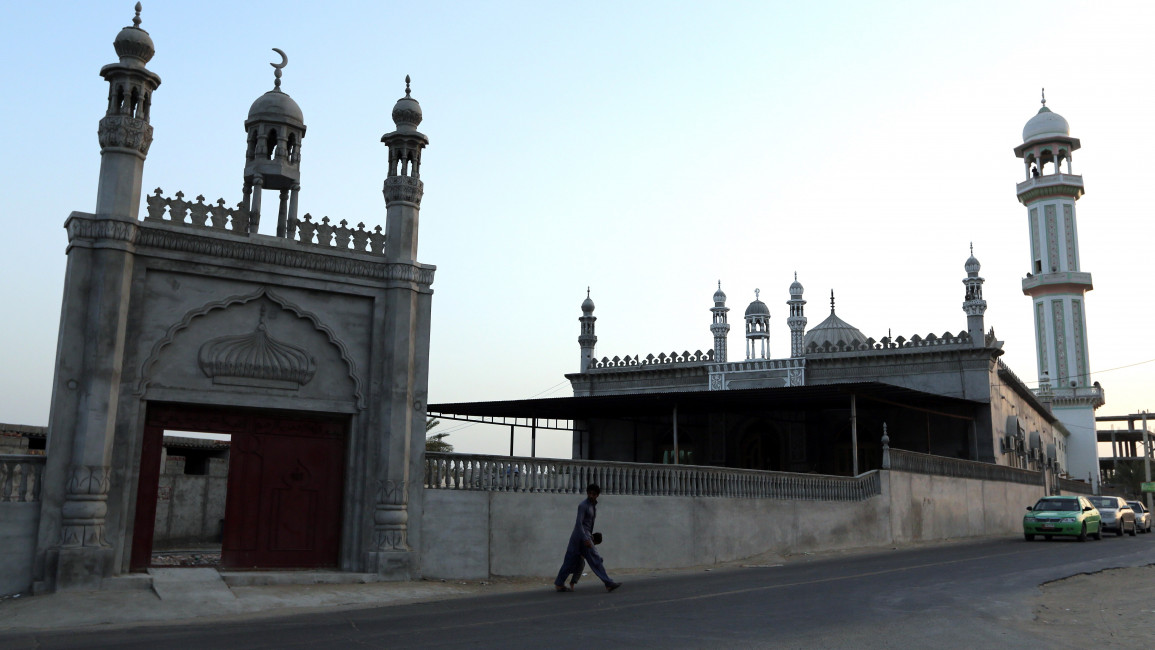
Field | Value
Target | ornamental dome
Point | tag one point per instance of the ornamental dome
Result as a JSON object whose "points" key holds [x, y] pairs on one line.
{"points": [[276, 106], [407, 112], [719, 296], [796, 288], [587, 304], [133, 45], [832, 330], [757, 308], [972, 265], [1046, 124]]}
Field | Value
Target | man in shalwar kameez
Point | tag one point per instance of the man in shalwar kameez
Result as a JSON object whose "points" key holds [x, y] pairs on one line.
{"points": [[581, 544]]}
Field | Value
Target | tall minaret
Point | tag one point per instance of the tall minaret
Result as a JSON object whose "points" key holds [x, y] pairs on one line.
{"points": [[719, 328], [586, 339], [1057, 286], [275, 128], [403, 187], [973, 303], [124, 132], [796, 321]]}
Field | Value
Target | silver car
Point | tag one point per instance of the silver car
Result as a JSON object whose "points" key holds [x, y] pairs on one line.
{"points": [[1142, 516], [1117, 515]]}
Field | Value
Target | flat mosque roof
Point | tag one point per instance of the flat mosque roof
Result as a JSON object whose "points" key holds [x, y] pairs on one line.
{"points": [[707, 401]]}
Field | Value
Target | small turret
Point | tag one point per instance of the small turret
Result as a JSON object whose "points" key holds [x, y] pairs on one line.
{"points": [[757, 329], [275, 128], [719, 328], [796, 321], [587, 340], [973, 303], [403, 187], [124, 132]]}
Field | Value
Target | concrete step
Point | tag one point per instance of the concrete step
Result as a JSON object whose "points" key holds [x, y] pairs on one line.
{"points": [[195, 587]]}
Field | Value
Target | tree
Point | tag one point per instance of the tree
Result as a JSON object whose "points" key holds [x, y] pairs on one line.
{"points": [[436, 441]]}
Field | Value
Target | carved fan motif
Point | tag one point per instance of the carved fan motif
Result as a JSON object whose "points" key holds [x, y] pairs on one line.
{"points": [[256, 359]]}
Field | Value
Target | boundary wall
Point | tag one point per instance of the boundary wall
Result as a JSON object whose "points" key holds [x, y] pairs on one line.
{"points": [[476, 534], [19, 519]]}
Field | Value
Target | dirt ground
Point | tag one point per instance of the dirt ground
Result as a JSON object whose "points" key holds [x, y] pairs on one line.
{"points": [[1113, 609]]}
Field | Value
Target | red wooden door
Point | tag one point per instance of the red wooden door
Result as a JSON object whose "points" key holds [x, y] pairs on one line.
{"points": [[284, 495], [286, 478]]}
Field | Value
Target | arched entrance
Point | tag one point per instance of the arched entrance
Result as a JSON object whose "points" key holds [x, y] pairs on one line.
{"points": [[284, 495]]}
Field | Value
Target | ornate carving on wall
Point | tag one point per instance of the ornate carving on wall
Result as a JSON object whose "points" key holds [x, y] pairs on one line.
{"points": [[125, 132], [1060, 342], [391, 519], [256, 359], [1080, 342], [263, 292], [85, 506], [1041, 337], [403, 188], [1052, 263], [1069, 235]]}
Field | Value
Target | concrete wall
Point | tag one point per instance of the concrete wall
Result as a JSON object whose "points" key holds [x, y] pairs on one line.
{"points": [[190, 508], [473, 535], [18, 526]]}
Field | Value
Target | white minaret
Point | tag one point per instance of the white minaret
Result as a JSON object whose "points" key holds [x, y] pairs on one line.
{"points": [[1057, 286], [586, 339], [719, 328], [973, 303], [275, 128], [796, 321], [403, 187], [757, 329]]}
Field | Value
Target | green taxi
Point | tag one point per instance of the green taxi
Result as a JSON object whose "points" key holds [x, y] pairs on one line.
{"points": [[1063, 515]]}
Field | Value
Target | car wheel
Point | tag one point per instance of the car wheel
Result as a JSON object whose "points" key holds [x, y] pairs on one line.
{"points": [[1133, 531], [1119, 530], [1098, 533], [1029, 537], [1083, 533]]}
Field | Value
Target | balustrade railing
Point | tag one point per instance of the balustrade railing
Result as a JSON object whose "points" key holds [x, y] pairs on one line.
{"points": [[911, 461], [20, 478], [511, 474]]}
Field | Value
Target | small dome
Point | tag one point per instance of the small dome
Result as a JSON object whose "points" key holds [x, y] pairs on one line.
{"points": [[133, 45], [1046, 124], [833, 330], [796, 288], [757, 308], [719, 296], [277, 106], [587, 304], [407, 112], [972, 264]]}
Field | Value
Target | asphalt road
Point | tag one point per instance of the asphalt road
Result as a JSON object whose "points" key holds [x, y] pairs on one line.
{"points": [[958, 595]]}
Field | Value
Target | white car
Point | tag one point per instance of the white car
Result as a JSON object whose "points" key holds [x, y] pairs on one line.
{"points": [[1142, 516]]}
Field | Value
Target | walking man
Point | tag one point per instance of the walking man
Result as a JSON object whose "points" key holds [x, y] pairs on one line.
{"points": [[581, 544]]}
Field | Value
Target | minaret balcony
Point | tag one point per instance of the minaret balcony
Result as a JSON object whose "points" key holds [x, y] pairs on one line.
{"points": [[1093, 396], [1051, 185], [1052, 283]]}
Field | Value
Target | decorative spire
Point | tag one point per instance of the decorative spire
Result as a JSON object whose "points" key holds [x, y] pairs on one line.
{"points": [[832, 301], [796, 276], [719, 285], [587, 292], [1044, 102], [136, 19], [972, 249], [277, 75], [406, 85], [756, 291]]}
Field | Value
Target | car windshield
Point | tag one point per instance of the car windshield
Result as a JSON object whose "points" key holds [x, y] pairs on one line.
{"points": [[1103, 503], [1136, 506], [1057, 504]]}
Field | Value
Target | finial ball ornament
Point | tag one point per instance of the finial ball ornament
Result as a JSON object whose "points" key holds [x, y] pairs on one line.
{"points": [[133, 45], [407, 112]]}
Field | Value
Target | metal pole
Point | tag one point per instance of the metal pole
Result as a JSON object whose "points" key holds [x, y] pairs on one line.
{"points": [[675, 434], [1147, 459], [533, 440], [854, 432], [511, 427]]}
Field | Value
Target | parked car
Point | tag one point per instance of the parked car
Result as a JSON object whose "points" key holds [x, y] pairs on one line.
{"points": [[1142, 516], [1066, 515], [1117, 515]]}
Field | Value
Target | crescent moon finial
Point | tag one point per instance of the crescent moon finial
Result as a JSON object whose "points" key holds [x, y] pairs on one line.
{"points": [[284, 62]]}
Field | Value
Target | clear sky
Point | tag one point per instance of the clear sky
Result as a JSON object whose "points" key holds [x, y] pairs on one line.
{"points": [[643, 149]]}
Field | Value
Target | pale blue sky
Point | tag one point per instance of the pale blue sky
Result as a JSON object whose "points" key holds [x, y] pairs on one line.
{"points": [[645, 149]]}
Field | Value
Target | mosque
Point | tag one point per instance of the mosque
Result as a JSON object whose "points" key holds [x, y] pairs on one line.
{"points": [[825, 408]]}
